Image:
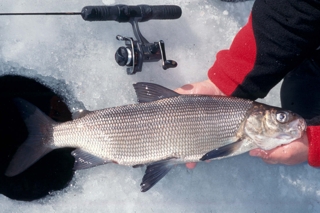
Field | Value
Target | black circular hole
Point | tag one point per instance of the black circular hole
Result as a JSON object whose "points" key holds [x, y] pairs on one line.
{"points": [[53, 171]]}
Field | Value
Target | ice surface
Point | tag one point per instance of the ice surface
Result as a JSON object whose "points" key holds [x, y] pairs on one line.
{"points": [[81, 54]]}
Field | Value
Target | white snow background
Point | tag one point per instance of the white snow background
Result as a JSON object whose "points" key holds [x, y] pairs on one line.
{"points": [[81, 54]]}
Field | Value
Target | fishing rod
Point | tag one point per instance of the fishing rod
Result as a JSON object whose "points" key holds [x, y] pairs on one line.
{"points": [[136, 51]]}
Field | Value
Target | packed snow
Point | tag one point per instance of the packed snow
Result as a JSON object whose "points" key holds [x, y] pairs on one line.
{"points": [[80, 53]]}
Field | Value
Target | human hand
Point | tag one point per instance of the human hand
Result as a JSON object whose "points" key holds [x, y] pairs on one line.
{"points": [[289, 154], [202, 88]]}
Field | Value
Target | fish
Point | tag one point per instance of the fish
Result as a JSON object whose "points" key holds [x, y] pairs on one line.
{"points": [[160, 131]]}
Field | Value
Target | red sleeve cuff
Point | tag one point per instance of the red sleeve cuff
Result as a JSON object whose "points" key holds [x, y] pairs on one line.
{"points": [[313, 133], [233, 65]]}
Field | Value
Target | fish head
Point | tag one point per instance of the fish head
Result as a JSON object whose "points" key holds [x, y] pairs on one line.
{"points": [[269, 127]]}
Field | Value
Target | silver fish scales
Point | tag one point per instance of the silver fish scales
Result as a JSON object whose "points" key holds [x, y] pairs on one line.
{"points": [[184, 127], [164, 129]]}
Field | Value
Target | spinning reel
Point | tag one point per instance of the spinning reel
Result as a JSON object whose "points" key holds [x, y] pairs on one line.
{"points": [[138, 51]]}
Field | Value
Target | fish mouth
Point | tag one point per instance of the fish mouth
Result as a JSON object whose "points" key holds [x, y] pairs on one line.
{"points": [[302, 125], [297, 128]]}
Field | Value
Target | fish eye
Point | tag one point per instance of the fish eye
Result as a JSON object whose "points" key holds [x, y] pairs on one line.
{"points": [[282, 117]]}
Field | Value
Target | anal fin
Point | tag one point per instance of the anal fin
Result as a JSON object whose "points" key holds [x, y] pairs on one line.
{"points": [[155, 172], [222, 151], [85, 160]]}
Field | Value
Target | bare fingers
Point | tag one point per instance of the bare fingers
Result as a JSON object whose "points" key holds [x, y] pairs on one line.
{"points": [[204, 88], [191, 165], [289, 154]]}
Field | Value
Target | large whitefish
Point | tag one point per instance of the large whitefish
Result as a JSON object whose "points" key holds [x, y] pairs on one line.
{"points": [[163, 129]]}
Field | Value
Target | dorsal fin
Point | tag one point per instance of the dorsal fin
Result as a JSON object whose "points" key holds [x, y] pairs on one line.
{"points": [[148, 92]]}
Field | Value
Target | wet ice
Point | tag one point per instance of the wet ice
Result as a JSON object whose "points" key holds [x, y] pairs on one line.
{"points": [[82, 55]]}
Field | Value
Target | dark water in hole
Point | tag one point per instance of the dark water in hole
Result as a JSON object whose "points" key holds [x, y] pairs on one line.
{"points": [[52, 172]]}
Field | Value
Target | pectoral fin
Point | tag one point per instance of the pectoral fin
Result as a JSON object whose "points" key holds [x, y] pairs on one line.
{"points": [[155, 172], [85, 160], [222, 151]]}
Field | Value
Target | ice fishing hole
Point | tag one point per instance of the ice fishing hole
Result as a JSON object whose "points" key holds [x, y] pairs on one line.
{"points": [[52, 172]]}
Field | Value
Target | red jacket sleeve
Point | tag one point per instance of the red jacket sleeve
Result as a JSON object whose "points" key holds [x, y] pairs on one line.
{"points": [[313, 133], [279, 35], [233, 65]]}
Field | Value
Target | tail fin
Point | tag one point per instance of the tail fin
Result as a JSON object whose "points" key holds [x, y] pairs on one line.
{"points": [[39, 141]]}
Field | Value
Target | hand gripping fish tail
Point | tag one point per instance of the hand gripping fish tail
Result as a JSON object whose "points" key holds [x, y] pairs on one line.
{"points": [[162, 130]]}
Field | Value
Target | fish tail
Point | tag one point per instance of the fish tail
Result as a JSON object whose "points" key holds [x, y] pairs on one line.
{"points": [[39, 141]]}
